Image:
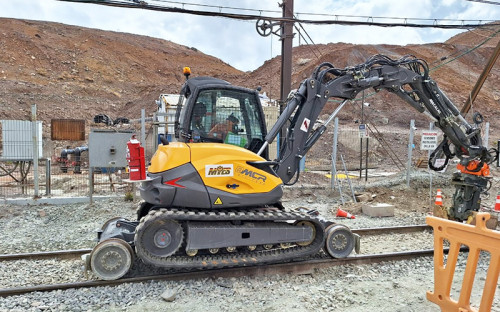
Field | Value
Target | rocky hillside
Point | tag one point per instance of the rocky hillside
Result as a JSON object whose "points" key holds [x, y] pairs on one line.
{"points": [[74, 72], [78, 72]]}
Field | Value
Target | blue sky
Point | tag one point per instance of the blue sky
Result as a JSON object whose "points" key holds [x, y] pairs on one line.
{"points": [[237, 42]]}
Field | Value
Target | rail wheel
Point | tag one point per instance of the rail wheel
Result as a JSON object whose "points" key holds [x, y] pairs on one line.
{"points": [[339, 241], [111, 259], [105, 225], [307, 224], [157, 237]]}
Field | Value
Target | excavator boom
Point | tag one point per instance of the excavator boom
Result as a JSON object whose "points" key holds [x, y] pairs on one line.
{"points": [[409, 79]]}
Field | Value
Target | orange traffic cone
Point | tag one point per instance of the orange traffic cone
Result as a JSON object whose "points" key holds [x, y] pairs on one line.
{"points": [[344, 214], [497, 203], [439, 198]]}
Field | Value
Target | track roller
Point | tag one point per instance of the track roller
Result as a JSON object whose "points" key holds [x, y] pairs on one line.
{"points": [[340, 241], [157, 238], [111, 259], [310, 225]]}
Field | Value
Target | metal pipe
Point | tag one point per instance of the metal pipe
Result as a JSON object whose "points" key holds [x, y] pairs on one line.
{"points": [[48, 186], [143, 127], [35, 149], [334, 152], [366, 160], [360, 158], [263, 148], [410, 149]]}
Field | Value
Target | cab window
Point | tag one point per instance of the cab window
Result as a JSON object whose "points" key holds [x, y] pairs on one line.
{"points": [[226, 116]]}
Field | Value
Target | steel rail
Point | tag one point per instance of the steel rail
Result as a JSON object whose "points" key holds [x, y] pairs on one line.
{"points": [[392, 229], [74, 253], [304, 267]]}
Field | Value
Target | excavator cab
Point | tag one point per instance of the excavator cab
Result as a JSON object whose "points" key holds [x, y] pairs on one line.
{"points": [[213, 110]]}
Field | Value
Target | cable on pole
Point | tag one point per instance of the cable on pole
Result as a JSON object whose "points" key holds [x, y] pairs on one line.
{"points": [[144, 5]]}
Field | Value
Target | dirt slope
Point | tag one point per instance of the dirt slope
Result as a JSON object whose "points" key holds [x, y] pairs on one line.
{"points": [[74, 72], [78, 72]]}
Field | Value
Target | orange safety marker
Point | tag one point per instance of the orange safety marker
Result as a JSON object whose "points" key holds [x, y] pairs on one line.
{"points": [[439, 198], [344, 214], [497, 203]]}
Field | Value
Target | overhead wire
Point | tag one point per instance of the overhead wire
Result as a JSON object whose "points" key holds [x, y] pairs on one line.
{"points": [[463, 50], [468, 51], [436, 23], [366, 17], [312, 42], [485, 1]]}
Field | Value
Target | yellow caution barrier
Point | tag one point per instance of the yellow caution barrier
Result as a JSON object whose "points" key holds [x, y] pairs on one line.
{"points": [[476, 238]]}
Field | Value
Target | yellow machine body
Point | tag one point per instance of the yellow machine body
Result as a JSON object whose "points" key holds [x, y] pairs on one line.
{"points": [[224, 174]]}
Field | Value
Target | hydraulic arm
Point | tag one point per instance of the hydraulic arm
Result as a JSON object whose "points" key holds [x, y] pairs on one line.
{"points": [[408, 78]]}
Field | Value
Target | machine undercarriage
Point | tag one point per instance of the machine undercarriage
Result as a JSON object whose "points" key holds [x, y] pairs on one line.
{"points": [[205, 239]]}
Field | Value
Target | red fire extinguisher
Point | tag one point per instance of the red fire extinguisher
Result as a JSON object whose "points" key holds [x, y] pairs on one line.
{"points": [[135, 158]]}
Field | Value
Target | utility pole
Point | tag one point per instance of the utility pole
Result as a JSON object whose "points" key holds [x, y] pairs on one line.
{"points": [[286, 51], [285, 32], [286, 57]]}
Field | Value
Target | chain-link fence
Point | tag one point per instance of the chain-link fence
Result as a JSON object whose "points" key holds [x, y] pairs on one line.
{"points": [[63, 155], [62, 163], [372, 149]]}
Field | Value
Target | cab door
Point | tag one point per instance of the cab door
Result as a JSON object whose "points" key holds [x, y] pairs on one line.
{"points": [[207, 112]]}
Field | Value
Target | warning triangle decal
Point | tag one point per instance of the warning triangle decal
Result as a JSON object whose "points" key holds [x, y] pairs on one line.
{"points": [[305, 125], [218, 201]]}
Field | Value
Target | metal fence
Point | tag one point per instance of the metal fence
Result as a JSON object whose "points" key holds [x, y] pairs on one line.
{"points": [[62, 148], [61, 166]]}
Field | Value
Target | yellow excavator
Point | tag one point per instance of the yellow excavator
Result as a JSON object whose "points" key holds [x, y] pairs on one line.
{"points": [[212, 199]]}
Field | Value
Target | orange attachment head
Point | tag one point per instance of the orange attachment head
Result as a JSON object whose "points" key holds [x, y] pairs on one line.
{"points": [[473, 168]]}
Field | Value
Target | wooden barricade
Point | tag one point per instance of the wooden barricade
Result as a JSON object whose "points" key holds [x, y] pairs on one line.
{"points": [[476, 238]]}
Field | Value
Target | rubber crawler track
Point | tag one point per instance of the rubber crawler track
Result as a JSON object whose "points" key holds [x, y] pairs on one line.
{"points": [[240, 258]]}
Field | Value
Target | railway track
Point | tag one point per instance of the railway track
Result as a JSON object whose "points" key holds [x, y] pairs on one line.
{"points": [[76, 253], [281, 268]]}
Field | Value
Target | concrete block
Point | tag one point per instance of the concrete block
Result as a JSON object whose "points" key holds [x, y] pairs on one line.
{"points": [[378, 210]]}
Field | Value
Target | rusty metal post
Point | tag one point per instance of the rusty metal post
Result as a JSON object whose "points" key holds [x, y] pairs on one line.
{"points": [[286, 58], [481, 80], [286, 50]]}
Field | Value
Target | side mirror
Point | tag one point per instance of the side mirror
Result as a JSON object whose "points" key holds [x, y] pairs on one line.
{"points": [[163, 139]]}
